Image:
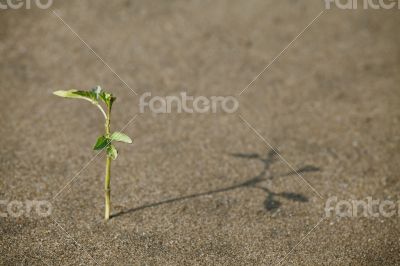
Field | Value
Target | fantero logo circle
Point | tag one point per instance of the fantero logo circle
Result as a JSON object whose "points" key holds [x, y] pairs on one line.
{"points": [[27, 4]]}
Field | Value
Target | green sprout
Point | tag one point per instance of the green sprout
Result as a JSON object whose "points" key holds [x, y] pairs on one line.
{"points": [[95, 96]]}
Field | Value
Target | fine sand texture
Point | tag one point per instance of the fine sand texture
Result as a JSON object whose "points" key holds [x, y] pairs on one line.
{"points": [[322, 120]]}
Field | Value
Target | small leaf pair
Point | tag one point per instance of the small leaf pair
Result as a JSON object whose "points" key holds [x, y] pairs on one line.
{"points": [[104, 141], [112, 152]]}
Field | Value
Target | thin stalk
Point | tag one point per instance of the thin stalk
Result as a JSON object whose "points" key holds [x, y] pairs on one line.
{"points": [[107, 188], [102, 111]]}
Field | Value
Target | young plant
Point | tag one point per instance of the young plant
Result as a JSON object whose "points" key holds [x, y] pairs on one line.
{"points": [[96, 96]]}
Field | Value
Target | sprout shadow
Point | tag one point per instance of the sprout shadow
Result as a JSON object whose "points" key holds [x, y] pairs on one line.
{"points": [[271, 202]]}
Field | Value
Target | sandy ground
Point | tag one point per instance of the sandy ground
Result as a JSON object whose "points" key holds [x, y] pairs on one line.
{"points": [[201, 188]]}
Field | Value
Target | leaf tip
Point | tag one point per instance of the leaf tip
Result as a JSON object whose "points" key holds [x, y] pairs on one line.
{"points": [[59, 93]]}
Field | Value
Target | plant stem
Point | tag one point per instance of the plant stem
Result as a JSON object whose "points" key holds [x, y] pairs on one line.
{"points": [[107, 189], [102, 111]]}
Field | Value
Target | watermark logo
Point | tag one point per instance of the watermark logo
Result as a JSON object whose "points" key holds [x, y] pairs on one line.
{"points": [[365, 4], [187, 104], [28, 208], [369, 208], [27, 4]]}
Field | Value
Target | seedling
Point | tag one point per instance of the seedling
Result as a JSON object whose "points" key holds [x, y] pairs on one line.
{"points": [[96, 96]]}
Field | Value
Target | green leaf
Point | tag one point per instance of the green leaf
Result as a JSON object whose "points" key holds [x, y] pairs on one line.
{"points": [[107, 98], [112, 152], [75, 94], [91, 96], [121, 137], [101, 143]]}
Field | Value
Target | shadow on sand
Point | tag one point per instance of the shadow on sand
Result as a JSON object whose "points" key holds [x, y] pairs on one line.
{"points": [[271, 202]]}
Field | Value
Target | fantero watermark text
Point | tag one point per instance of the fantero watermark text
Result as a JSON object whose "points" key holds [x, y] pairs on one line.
{"points": [[368, 207], [364, 4], [187, 104], [26, 4], [27, 208]]}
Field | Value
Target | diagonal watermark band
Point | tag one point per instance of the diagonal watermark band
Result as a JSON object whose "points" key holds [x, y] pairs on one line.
{"points": [[280, 156], [276, 57], [93, 51], [73, 239], [309, 232], [90, 161]]}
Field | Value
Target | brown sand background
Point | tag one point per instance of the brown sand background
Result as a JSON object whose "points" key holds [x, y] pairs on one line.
{"points": [[330, 102]]}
